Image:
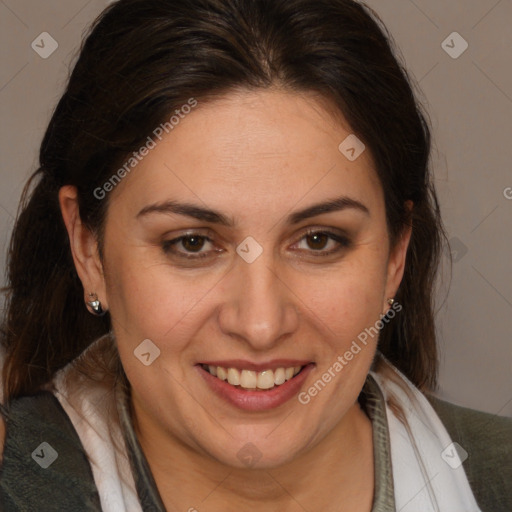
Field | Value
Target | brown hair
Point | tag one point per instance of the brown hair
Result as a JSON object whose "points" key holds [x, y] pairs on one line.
{"points": [[144, 58]]}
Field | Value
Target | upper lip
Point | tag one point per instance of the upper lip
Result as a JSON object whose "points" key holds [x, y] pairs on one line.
{"points": [[242, 364]]}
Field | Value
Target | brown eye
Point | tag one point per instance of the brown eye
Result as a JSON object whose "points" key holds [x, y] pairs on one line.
{"points": [[193, 243], [189, 246], [323, 243], [317, 241]]}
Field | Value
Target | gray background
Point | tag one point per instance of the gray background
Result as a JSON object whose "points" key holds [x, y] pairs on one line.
{"points": [[469, 99]]}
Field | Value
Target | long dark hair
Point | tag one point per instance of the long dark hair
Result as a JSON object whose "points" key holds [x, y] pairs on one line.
{"points": [[145, 58]]}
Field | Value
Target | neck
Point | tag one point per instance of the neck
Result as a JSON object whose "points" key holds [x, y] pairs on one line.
{"points": [[336, 474]]}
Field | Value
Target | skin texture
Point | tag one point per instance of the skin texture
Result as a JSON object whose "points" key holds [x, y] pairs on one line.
{"points": [[256, 157]]}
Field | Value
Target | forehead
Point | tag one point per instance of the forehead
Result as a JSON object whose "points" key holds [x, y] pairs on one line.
{"points": [[267, 144]]}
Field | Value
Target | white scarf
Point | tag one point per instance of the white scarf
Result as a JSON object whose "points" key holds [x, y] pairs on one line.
{"points": [[424, 481], [427, 470]]}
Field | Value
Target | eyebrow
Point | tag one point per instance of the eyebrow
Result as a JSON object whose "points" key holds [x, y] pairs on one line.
{"points": [[334, 205], [215, 217]]}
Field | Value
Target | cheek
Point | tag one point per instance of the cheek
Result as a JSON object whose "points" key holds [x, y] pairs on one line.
{"points": [[349, 299], [152, 299], [149, 302], [345, 306]]}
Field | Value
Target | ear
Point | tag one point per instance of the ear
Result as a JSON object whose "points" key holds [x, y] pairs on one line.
{"points": [[396, 261], [84, 247]]}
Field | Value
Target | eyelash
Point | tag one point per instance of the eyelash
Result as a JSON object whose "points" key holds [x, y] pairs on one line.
{"points": [[195, 256], [343, 242]]}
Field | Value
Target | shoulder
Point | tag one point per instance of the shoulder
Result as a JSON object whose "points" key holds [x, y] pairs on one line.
{"points": [[487, 439], [43, 458], [492, 433]]}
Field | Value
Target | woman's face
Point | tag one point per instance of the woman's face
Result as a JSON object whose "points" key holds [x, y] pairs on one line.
{"points": [[207, 255]]}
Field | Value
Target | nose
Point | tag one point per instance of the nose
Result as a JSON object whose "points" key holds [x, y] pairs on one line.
{"points": [[259, 307]]}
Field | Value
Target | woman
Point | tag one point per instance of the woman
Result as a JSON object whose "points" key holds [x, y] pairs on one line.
{"points": [[220, 287]]}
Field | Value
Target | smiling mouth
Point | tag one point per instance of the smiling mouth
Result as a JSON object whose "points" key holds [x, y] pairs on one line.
{"points": [[251, 380]]}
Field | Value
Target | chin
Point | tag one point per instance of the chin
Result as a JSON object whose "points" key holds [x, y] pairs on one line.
{"points": [[257, 451]]}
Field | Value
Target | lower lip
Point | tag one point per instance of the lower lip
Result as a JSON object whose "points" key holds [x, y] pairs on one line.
{"points": [[256, 400]]}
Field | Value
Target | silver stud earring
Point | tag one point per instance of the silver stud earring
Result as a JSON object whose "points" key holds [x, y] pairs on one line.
{"points": [[391, 301], [95, 305]]}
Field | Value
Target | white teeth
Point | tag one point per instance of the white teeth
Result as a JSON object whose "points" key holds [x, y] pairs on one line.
{"points": [[233, 377], [266, 379], [279, 376], [249, 379]]}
